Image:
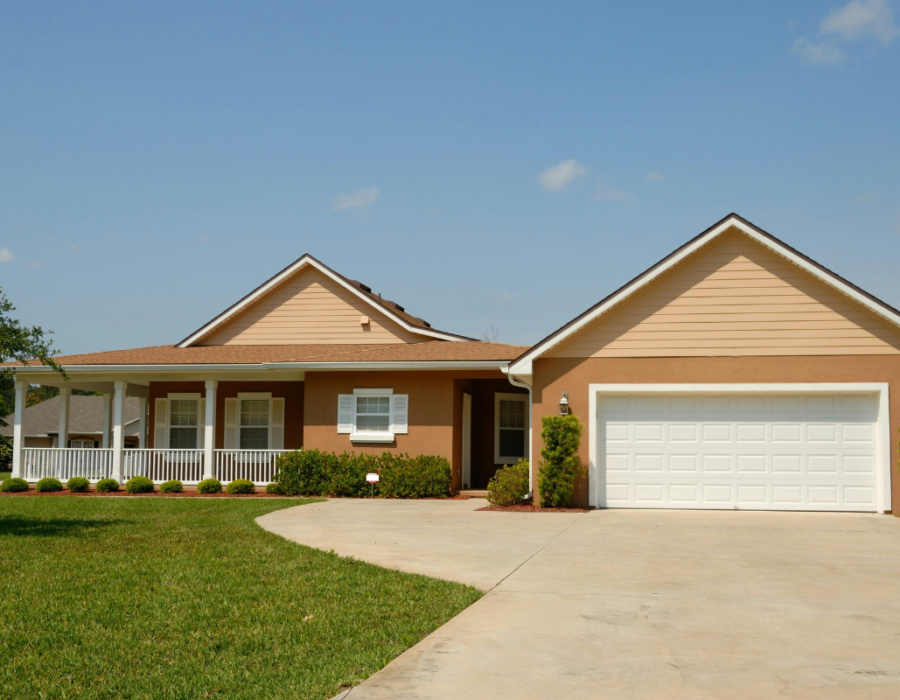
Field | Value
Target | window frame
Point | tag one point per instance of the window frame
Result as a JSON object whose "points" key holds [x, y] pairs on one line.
{"points": [[357, 435], [201, 420], [254, 396], [521, 398]]}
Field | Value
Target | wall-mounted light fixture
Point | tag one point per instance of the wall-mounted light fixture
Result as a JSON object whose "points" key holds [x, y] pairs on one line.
{"points": [[564, 404]]}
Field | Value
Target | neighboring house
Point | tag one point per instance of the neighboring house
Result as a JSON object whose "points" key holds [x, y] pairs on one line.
{"points": [[735, 373], [41, 424]]}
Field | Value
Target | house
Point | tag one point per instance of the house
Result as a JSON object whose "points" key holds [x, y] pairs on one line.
{"points": [[736, 373], [86, 427]]}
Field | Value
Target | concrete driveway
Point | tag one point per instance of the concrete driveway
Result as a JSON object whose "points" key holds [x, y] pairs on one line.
{"points": [[633, 603]]}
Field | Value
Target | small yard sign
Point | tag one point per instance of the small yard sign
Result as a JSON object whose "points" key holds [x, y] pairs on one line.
{"points": [[372, 479]]}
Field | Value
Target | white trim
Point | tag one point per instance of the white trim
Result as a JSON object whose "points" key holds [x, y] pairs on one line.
{"points": [[386, 436], [271, 366], [523, 365], [371, 437], [183, 396], [373, 392], [521, 398], [882, 389], [290, 271], [254, 395]]}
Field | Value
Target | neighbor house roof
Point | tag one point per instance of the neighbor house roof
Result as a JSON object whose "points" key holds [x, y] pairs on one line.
{"points": [[522, 364], [432, 351], [85, 417]]}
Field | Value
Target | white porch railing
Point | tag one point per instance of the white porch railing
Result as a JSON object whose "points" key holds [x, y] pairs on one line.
{"points": [[163, 465], [63, 464], [256, 465]]}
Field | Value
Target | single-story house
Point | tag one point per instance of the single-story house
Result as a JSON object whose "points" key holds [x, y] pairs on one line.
{"points": [[736, 373], [87, 428]]}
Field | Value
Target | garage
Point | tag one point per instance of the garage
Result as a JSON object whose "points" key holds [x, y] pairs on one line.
{"points": [[725, 449]]}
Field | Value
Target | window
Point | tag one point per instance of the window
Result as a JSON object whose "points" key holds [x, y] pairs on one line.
{"points": [[184, 424], [510, 428], [254, 424], [81, 443], [373, 415]]}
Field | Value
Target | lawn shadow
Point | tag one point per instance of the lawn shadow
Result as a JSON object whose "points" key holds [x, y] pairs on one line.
{"points": [[23, 526]]}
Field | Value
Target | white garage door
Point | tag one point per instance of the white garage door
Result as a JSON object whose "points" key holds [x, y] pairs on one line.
{"points": [[757, 452]]}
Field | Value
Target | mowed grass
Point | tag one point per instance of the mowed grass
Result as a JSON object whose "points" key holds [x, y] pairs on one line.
{"points": [[5, 475], [170, 598]]}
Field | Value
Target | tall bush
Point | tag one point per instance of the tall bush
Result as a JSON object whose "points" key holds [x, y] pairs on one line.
{"points": [[561, 464]]}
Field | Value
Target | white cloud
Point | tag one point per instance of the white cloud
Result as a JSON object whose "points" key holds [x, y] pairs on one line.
{"points": [[6, 255], [654, 176], [561, 176], [605, 193], [822, 53], [357, 200], [862, 18]]}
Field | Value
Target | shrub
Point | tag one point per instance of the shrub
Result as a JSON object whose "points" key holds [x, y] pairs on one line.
{"points": [[275, 488], [78, 484], [48, 485], [240, 486], [561, 464], [509, 484], [107, 486], [13, 486], [210, 486], [348, 478], [139, 484], [424, 476], [305, 472], [171, 486]]}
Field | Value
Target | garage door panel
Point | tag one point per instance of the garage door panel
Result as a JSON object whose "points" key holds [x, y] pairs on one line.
{"points": [[780, 452]]}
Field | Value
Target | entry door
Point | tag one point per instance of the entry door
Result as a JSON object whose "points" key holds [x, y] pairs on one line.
{"points": [[756, 452], [467, 442]]}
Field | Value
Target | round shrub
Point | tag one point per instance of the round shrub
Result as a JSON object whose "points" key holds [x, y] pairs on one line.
{"points": [[509, 485], [275, 488], [139, 484], [48, 485], [78, 484], [210, 486], [240, 486], [107, 486], [172, 486], [14, 485]]}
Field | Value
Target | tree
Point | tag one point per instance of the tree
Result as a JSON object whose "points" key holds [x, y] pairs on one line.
{"points": [[491, 335], [20, 343]]}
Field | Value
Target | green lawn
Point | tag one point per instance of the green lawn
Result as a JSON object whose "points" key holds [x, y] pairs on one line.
{"points": [[5, 475], [189, 598]]}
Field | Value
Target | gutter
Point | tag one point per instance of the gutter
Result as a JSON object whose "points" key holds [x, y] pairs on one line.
{"points": [[515, 381], [263, 366]]}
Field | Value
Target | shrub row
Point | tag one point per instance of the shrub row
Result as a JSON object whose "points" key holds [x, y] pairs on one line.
{"points": [[136, 484], [315, 473]]}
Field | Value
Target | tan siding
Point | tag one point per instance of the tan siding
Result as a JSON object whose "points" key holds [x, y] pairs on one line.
{"points": [[735, 298], [310, 308]]}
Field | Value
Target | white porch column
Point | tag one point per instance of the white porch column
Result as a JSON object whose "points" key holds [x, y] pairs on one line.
{"points": [[142, 423], [64, 394], [19, 430], [118, 431], [107, 404], [209, 428]]}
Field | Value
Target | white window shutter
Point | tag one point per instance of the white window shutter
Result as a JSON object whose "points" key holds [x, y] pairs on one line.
{"points": [[400, 414], [231, 424], [161, 424], [201, 424], [345, 413], [276, 432]]}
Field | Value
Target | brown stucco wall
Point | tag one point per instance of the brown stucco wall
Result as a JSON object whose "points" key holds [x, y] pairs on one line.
{"points": [[552, 376]]}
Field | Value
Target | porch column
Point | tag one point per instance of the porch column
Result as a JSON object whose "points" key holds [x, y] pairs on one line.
{"points": [[119, 431], [107, 404], [142, 423], [64, 394], [209, 431], [19, 431]]}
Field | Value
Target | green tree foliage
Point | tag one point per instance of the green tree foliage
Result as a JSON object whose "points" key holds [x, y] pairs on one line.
{"points": [[561, 464]]}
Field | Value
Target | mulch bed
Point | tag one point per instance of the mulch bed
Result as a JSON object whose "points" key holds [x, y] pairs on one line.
{"points": [[528, 508], [155, 494]]}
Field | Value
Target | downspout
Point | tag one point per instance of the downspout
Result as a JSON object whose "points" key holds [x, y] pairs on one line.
{"points": [[515, 381]]}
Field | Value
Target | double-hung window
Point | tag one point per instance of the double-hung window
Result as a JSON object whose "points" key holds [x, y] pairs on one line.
{"points": [[184, 424], [373, 415], [510, 428], [254, 424]]}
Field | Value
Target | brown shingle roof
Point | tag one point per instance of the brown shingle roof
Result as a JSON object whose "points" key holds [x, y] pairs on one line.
{"points": [[432, 351], [85, 416]]}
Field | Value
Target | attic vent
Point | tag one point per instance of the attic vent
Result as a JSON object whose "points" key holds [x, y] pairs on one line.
{"points": [[427, 325], [365, 287], [397, 306]]}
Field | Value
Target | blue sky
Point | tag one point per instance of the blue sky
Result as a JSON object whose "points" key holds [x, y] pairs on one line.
{"points": [[484, 164]]}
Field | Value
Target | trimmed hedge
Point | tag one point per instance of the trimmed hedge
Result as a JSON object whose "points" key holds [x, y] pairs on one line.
{"points": [[78, 484], [210, 486], [107, 486], [315, 473], [139, 484], [275, 488], [171, 486], [509, 485], [14, 485], [240, 486], [561, 464], [48, 485]]}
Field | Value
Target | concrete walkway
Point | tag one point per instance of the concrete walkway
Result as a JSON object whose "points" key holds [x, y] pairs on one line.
{"points": [[633, 603]]}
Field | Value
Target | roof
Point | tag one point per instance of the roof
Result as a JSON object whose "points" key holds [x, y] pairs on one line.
{"points": [[85, 416], [390, 308], [431, 351], [521, 365]]}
